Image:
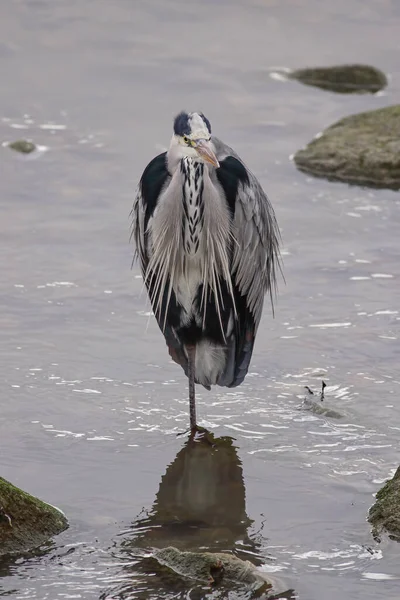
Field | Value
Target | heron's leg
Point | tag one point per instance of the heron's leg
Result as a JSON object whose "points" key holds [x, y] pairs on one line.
{"points": [[191, 353]]}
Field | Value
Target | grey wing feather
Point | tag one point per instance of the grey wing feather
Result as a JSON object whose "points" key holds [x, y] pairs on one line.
{"points": [[138, 233], [256, 256], [138, 230]]}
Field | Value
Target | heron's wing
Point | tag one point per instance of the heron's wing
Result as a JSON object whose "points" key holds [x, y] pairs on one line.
{"points": [[154, 180], [255, 256], [155, 177], [255, 253]]}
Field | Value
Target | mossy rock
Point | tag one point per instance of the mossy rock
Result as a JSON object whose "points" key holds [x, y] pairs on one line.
{"points": [[343, 79], [362, 149], [22, 146], [384, 515], [25, 521], [214, 568]]}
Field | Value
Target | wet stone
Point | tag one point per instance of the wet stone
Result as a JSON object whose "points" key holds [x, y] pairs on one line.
{"points": [[212, 567], [362, 149], [22, 146], [343, 79], [384, 515], [25, 521], [317, 408]]}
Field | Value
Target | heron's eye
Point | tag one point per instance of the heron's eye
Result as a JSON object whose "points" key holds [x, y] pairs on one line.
{"points": [[186, 140]]}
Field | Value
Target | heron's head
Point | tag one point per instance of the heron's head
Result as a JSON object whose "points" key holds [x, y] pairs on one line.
{"points": [[192, 138]]}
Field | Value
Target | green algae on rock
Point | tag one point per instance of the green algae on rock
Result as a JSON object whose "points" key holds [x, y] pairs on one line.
{"points": [[384, 515], [343, 79], [25, 521], [22, 146], [362, 149]]}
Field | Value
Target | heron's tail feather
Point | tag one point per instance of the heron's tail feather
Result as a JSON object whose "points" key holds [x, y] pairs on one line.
{"points": [[243, 350]]}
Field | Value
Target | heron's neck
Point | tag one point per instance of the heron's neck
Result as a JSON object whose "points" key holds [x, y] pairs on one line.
{"points": [[192, 197]]}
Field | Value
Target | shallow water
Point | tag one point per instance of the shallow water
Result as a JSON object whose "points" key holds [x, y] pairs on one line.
{"points": [[90, 403]]}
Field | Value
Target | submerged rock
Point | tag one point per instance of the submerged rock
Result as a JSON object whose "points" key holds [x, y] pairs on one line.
{"points": [[362, 149], [212, 567], [343, 79], [319, 409], [25, 521], [384, 515], [23, 146]]}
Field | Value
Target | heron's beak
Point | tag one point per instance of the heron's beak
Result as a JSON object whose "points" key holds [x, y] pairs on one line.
{"points": [[203, 147]]}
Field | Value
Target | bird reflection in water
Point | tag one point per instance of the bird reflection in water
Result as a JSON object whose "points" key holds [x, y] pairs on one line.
{"points": [[201, 500], [200, 506]]}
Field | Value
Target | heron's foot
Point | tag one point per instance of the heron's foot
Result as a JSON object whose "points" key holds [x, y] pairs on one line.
{"points": [[198, 434], [201, 434], [193, 431]]}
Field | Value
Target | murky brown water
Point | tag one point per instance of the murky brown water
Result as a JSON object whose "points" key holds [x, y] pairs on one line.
{"points": [[90, 403]]}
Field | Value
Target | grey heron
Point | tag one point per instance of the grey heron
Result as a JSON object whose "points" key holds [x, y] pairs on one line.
{"points": [[208, 245]]}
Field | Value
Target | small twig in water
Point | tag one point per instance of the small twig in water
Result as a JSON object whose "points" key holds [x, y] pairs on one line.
{"points": [[323, 391]]}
